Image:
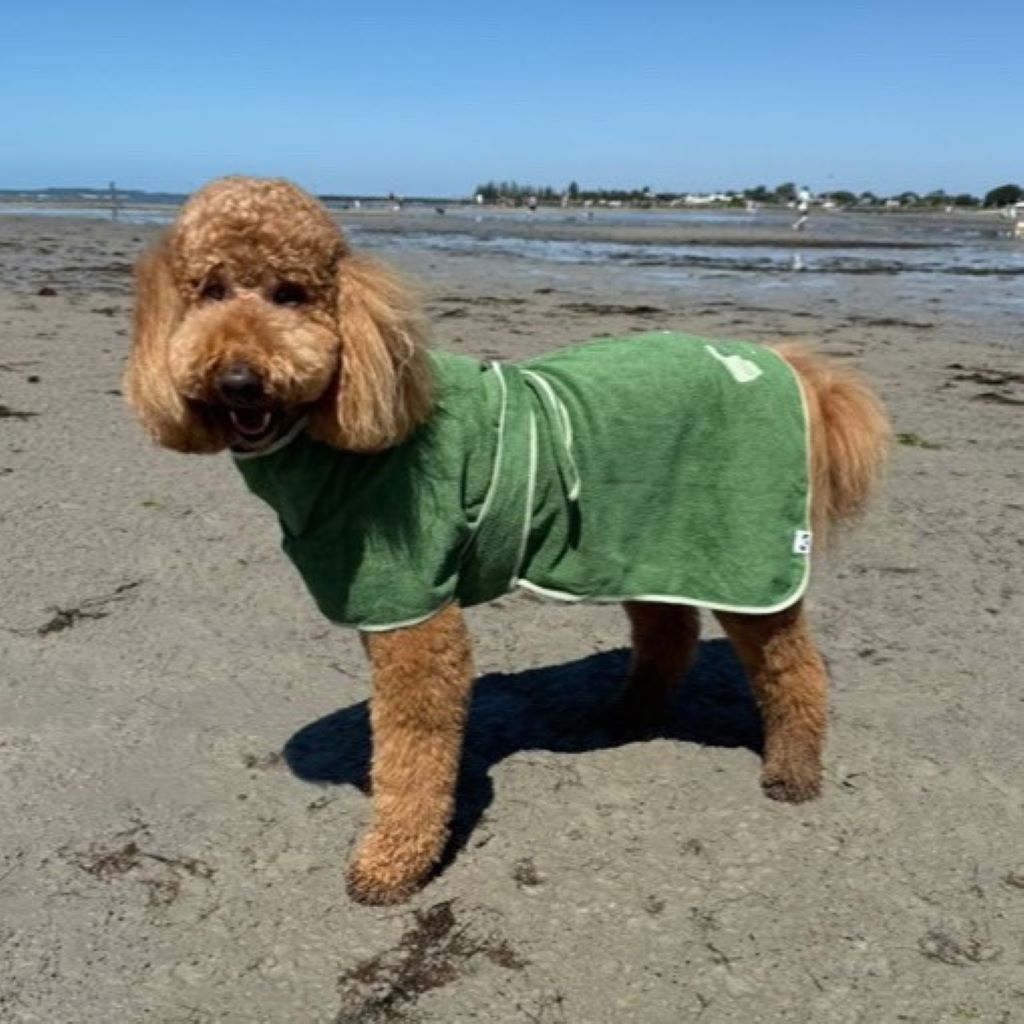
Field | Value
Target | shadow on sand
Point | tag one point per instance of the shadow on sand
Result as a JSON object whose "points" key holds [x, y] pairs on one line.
{"points": [[561, 708]]}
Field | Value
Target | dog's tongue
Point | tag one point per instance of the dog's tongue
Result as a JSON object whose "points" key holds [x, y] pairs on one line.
{"points": [[250, 421]]}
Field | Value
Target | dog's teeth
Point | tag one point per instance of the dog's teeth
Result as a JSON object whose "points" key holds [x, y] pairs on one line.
{"points": [[238, 422]]}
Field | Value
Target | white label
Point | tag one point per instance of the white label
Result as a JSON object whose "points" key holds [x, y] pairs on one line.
{"points": [[802, 542]]}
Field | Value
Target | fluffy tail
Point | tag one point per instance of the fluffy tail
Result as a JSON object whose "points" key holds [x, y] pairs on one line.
{"points": [[850, 437]]}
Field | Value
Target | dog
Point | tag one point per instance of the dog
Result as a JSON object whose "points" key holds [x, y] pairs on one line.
{"points": [[410, 484]]}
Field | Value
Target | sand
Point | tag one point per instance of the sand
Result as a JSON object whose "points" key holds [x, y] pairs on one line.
{"points": [[182, 738]]}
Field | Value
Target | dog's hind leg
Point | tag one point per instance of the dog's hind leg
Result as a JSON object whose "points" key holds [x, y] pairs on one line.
{"points": [[664, 649], [422, 676], [789, 683]]}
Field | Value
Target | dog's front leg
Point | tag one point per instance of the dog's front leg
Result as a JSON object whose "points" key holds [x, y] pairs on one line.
{"points": [[422, 677]]}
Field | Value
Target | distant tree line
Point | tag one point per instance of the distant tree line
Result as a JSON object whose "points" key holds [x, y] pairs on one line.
{"points": [[1004, 195], [516, 194]]}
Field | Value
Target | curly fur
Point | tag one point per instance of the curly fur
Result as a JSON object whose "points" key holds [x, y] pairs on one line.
{"points": [[351, 356], [849, 437], [351, 353]]}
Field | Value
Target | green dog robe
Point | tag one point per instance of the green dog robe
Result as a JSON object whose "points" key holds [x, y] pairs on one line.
{"points": [[658, 467]]}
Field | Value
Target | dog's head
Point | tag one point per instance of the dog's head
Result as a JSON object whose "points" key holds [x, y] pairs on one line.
{"points": [[252, 312]]}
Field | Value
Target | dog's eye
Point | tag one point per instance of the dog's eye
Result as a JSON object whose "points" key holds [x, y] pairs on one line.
{"points": [[213, 291], [288, 294]]}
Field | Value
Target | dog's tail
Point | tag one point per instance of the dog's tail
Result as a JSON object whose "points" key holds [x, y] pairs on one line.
{"points": [[850, 436]]}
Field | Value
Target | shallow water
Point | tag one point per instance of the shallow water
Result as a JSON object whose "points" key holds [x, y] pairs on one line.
{"points": [[126, 215], [967, 263], [1002, 257]]}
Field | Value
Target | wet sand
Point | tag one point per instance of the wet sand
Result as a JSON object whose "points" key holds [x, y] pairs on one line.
{"points": [[183, 739]]}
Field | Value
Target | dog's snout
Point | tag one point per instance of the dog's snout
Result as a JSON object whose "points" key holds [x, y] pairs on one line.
{"points": [[239, 385]]}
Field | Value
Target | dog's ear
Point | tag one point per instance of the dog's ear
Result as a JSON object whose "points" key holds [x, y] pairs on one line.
{"points": [[147, 381], [383, 389]]}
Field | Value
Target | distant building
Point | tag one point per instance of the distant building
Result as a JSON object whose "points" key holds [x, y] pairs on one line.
{"points": [[705, 198]]}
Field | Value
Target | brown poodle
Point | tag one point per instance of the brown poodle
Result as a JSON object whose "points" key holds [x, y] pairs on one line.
{"points": [[256, 324]]}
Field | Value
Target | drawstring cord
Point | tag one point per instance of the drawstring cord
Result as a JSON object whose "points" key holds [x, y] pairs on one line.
{"points": [[567, 463]]}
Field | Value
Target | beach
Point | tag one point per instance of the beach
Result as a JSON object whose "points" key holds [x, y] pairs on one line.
{"points": [[183, 739]]}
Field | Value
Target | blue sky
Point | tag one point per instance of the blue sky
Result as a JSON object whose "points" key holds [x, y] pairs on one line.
{"points": [[422, 98]]}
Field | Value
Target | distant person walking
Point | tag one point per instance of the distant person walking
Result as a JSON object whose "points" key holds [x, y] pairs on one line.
{"points": [[1016, 216], [803, 205]]}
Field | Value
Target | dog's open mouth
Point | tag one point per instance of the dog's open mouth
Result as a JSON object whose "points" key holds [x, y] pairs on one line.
{"points": [[253, 426], [248, 430], [253, 430]]}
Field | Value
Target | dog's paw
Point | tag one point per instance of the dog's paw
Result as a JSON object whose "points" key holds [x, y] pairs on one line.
{"points": [[792, 783], [373, 891], [386, 871]]}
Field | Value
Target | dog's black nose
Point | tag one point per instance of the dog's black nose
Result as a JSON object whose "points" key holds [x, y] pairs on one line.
{"points": [[239, 385]]}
